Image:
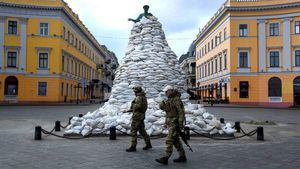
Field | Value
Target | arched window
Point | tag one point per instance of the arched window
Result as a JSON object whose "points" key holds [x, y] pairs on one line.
{"points": [[275, 87]]}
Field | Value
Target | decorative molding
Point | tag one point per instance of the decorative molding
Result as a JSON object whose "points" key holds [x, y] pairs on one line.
{"points": [[49, 49], [12, 47]]}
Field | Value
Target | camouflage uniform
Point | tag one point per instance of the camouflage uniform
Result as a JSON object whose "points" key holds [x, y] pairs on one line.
{"points": [[174, 115], [138, 107]]}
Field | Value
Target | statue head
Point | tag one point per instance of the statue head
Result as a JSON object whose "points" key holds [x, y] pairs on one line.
{"points": [[146, 8]]}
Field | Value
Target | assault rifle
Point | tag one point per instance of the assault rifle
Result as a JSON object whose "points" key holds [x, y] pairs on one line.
{"points": [[183, 136]]}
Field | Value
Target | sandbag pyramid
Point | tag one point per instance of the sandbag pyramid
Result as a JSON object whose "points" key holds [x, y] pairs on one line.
{"points": [[150, 63]]}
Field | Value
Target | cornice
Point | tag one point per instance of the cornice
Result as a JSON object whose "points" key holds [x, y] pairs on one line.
{"points": [[248, 8], [66, 12]]}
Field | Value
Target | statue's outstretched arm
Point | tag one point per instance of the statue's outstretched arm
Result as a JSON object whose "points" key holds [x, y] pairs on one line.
{"points": [[137, 19]]}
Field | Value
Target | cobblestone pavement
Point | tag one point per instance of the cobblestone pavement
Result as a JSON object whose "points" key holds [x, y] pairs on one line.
{"points": [[18, 149]]}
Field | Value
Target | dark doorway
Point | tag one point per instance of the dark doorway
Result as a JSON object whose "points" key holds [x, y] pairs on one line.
{"points": [[297, 91], [11, 86]]}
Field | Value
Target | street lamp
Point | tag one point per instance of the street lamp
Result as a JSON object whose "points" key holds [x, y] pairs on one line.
{"points": [[198, 90]]}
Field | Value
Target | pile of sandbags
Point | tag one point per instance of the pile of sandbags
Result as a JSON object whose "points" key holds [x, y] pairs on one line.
{"points": [[150, 63]]}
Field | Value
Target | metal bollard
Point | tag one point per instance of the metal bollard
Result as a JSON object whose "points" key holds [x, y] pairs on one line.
{"points": [[80, 115], [38, 133], [237, 126], [112, 133], [57, 126], [260, 133], [222, 120], [187, 133]]}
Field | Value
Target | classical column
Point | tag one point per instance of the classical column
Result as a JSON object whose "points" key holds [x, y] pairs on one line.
{"points": [[22, 65], [286, 44], [2, 18], [262, 45]]}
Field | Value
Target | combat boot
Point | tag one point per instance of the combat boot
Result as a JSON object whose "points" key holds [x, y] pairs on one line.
{"points": [[131, 149], [148, 146], [181, 159], [163, 160]]}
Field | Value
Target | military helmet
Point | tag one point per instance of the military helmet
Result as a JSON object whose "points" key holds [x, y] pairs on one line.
{"points": [[137, 89]]}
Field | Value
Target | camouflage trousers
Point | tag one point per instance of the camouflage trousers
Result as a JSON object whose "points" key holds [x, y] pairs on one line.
{"points": [[173, 139], [138, 125]]}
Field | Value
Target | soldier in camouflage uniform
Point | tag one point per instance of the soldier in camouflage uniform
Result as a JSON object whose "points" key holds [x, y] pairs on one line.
{"points": [[138, 108], [175, 117]]}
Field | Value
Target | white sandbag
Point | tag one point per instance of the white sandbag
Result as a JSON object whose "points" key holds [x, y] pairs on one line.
{"points": [[86, 130], [151, 118]]}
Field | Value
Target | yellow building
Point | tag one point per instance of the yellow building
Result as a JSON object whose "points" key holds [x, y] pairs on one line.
{"points": [[249, 53], [47, 54]]}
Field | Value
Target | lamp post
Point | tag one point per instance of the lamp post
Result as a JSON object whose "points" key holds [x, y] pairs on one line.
{"points": [[77, 87], [198, 90]]}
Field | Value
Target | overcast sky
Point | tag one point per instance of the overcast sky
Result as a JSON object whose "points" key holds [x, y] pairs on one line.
{"points": [[108, 20]]}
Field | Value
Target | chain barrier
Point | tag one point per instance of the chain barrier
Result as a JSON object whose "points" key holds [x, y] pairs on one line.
{"points": [[198, 132], [152, 137], [251, 133], [67, 137]]}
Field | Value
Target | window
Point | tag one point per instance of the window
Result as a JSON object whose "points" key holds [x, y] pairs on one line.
{"points": [[208, 68], [64, 33], [243, 30], [216, 65], [274, 86], [42, 90], [63, 63], [12, 27], [208, 46], [220, 63], [243, 59], [76, 43], [297, 27], [68, 37], [225, 61], [212, 67], [212, 43], [62, 89], [274, 29], [43, 60], [44, 29], [11, 59], [216, 40], [72, 39], [244, 89], [225, 33], [75, 68], [274, 59], [67, 89], [297, 58], [68, 66], [220, 37]]}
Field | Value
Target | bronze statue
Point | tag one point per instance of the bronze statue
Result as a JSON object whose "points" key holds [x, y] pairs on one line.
{"points": [[145, 14]]}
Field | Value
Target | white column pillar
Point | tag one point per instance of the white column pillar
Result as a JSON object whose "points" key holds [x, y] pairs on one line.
{"points": [[2, 18], [262, 45], [286, 45], [23, 53]]}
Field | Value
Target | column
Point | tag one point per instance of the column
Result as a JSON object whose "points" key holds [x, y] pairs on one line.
{"points": [[286, 44], [262, 45], [2, 18], [22, 65]]}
